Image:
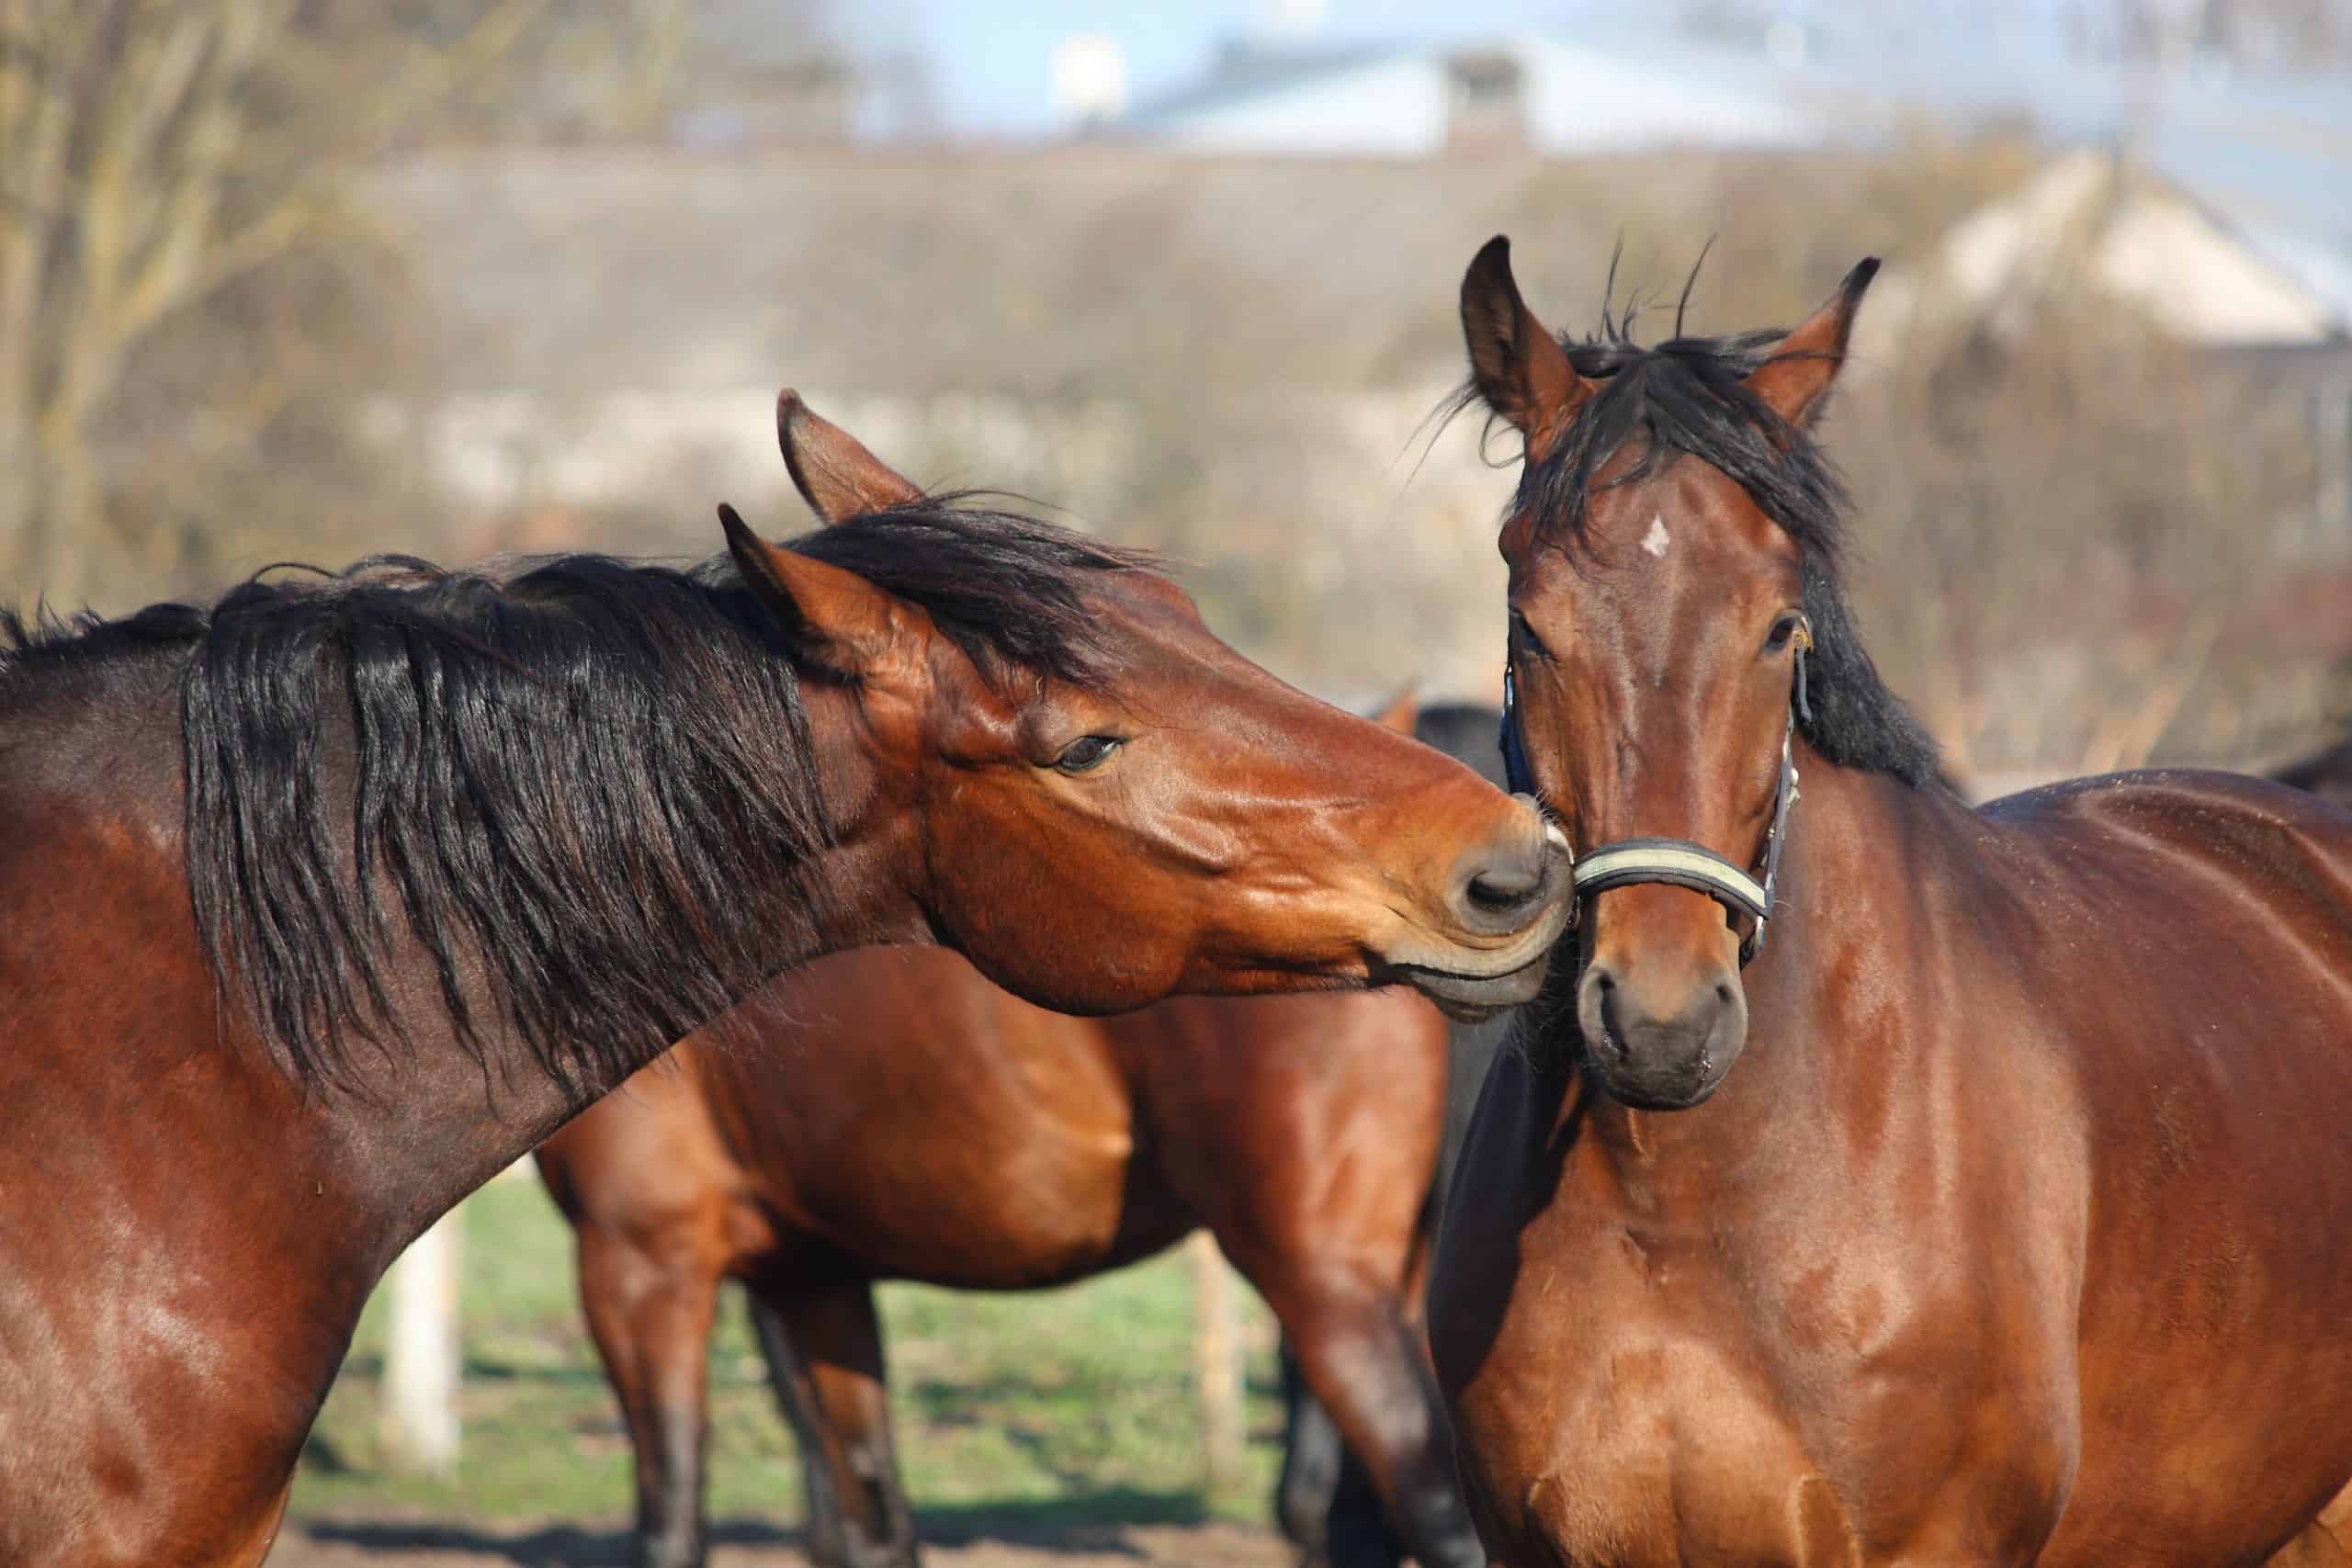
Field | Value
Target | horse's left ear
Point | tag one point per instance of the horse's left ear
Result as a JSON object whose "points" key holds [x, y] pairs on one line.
{"points": [[1517, 366], [1795, 383], [833, 471]]}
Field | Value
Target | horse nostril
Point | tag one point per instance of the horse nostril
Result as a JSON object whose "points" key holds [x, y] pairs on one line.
{"points": [[1502, 892], [1504, 888], [1601, 1023], [1722, 992]]}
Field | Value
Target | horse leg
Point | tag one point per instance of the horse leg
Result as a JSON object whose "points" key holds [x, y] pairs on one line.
{"points": [[824, 1353], [826, 1525], [650, 1311], [1312, 1455], [1357, 1531], [1364, 1363]]}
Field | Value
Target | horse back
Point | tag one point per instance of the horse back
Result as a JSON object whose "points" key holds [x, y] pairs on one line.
{"points": [[885, 1111], [2194, 959], [2195, 848]]}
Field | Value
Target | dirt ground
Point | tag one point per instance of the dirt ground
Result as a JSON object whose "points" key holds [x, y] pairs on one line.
{"points": [[394, 1544]]}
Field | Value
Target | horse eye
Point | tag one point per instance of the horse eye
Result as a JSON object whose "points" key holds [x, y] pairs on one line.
{"points": [[1782, 630], [1524, 634], [1087, 752]]}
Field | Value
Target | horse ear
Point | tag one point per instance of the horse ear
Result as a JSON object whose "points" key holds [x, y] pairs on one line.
{"points": [[833, 471], [1403, 710], [1794, 382], [1518, 367], [837, 622]]}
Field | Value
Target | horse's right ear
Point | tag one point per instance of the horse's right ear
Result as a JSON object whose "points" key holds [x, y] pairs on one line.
{"points": [[838, 624], [833, 471], [1518, 367]]}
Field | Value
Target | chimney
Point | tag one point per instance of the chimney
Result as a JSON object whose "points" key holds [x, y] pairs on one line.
{"points": [[1089, 80]]}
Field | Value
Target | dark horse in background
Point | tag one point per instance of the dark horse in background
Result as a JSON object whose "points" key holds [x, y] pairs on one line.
{"points": [[1992, 1203], [320, 906], [2327, 773], [889, 1115]]}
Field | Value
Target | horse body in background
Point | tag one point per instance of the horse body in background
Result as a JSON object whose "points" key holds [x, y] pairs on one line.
{"points": [[2327, 773], [319, 907], [900, 1118], [1997, 1209]]}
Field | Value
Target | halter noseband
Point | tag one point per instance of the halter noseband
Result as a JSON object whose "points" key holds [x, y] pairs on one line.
{"points": [[1678, 862]]}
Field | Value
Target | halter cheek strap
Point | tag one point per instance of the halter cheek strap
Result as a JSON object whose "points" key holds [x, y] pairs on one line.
{"points": [[1678, 862]]}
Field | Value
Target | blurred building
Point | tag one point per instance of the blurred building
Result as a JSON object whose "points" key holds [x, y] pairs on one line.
{"points": [[2215, 200], [1539, 93], [2275, 296]]}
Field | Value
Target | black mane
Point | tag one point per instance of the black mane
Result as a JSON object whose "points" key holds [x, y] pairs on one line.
{"points": [[588, 781], [1687, 397]]}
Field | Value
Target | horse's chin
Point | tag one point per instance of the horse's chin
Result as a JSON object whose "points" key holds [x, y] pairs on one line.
{"points": [[1632, 1093], [1474, 998]]}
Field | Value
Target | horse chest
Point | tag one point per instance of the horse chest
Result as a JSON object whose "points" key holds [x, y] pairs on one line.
{"points": [[1617, 1430], [1652, 1398]]}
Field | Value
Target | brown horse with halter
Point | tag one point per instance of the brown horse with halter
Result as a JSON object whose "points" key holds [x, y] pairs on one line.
{"points": [[1997, 1209], [889, 1115], [324, 903]]}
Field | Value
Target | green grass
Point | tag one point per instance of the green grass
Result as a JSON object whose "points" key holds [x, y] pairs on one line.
{"points": [[1069, 1406]]}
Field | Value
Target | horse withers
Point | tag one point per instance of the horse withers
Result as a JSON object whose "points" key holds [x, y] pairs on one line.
{"points": [[320, 906], [1884, 1181]]}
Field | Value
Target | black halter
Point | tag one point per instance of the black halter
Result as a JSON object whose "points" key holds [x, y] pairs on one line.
{"points": [[1678, 862]]}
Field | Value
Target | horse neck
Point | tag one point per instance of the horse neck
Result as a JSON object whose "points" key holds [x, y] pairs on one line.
{"points": [[441, 1117]]}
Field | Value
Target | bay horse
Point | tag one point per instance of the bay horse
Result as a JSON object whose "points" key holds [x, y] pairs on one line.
{"points": [[323, 905], [1880, 1181]]}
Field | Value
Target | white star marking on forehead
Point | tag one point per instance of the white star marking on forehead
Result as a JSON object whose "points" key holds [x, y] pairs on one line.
{"points": [[1656, 539]]}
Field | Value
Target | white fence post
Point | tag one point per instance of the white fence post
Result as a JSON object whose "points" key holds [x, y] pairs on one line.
{"points": [[1218, 1350], [422, 1362]]}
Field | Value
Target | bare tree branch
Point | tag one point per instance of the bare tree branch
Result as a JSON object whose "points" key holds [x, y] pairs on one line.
{"points": [[161, 151]]}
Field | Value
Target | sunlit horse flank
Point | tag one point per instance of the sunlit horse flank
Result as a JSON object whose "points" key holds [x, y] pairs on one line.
{"points": [[2000, 1209], [470, 847]]}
